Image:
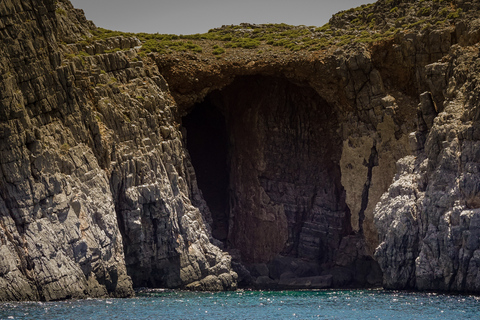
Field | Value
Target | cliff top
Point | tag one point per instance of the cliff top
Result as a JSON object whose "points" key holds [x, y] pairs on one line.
{"points": [[365, 24]]}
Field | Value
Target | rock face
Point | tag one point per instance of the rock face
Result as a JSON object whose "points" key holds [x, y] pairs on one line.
{"points": [[59, 233], [287, 194], [429, 216], [284, 173], [305, 185], [93, 180], [354, 166], [365, 102]]}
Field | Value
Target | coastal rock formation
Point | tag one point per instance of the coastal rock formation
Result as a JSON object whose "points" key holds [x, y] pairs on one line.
{"points": [[349, 165], [93, 179], [58, 230], [429, 216], [289, 195]]}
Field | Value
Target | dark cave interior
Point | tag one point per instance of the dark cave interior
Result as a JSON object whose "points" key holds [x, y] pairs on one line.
{"points": [[207, 143], [266, 153]]}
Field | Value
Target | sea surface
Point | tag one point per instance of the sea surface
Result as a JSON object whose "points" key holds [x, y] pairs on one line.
{"points": [[322, 304]]}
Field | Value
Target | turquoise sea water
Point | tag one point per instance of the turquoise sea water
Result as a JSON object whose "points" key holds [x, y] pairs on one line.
{"points": [[325, 304]]}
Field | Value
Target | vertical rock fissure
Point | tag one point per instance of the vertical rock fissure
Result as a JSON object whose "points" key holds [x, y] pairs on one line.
{"points": [[372, 162], [120, 219]]}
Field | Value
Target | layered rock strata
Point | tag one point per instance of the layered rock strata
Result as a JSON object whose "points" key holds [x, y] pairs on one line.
{"points": [[304, 185], [93, 190], [428, 219], [122, 170]]}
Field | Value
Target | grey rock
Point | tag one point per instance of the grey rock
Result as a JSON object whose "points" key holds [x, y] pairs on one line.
{"points": [[98, 192], [342, 277], [265, 282], [90, 192], [427, 112], [318, 282], [259, 269], [428, 218]]}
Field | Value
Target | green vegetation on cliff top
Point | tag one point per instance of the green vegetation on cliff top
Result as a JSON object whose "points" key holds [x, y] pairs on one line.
{"points": [[365, 24]]}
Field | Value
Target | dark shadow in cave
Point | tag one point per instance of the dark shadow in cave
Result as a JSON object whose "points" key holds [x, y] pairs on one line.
{"points": [[293, 132], [266, 153], [207, 143]]}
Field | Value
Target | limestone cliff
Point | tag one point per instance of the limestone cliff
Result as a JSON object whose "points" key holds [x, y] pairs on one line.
{"points": [[428, 219], [307, 184], [341, 158], [93, 183]]}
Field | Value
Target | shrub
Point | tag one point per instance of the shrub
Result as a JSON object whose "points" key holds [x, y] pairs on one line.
{"points": [[454, 15], [102, 34], [218, 51], [61, 11], [324, 28], [166, 45], [444, 12], [113, 50], [246, 43], [65, 147], [425, 11]]}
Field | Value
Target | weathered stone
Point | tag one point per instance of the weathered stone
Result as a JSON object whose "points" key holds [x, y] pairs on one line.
{"points": [[78, 173], [101, 189], [428, 217], [265, 282], [259, 269], [427, 112]]}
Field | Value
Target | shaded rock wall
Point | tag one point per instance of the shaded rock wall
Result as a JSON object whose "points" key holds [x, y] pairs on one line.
{"points": [[286, 195], [207, 141], [354, 90], [373, 93]]}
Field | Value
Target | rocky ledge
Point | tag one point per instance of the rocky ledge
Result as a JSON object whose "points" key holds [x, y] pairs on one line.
{"points": [[345, 159]]}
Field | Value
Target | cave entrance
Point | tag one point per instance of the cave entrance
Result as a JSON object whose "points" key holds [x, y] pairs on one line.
{"points": [[266, 153], [207, 143]]}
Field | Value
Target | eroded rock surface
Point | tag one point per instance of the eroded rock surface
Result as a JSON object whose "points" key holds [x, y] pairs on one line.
{"points": [[90, 154], [312, 169], [429, 217], [59, 232]]}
